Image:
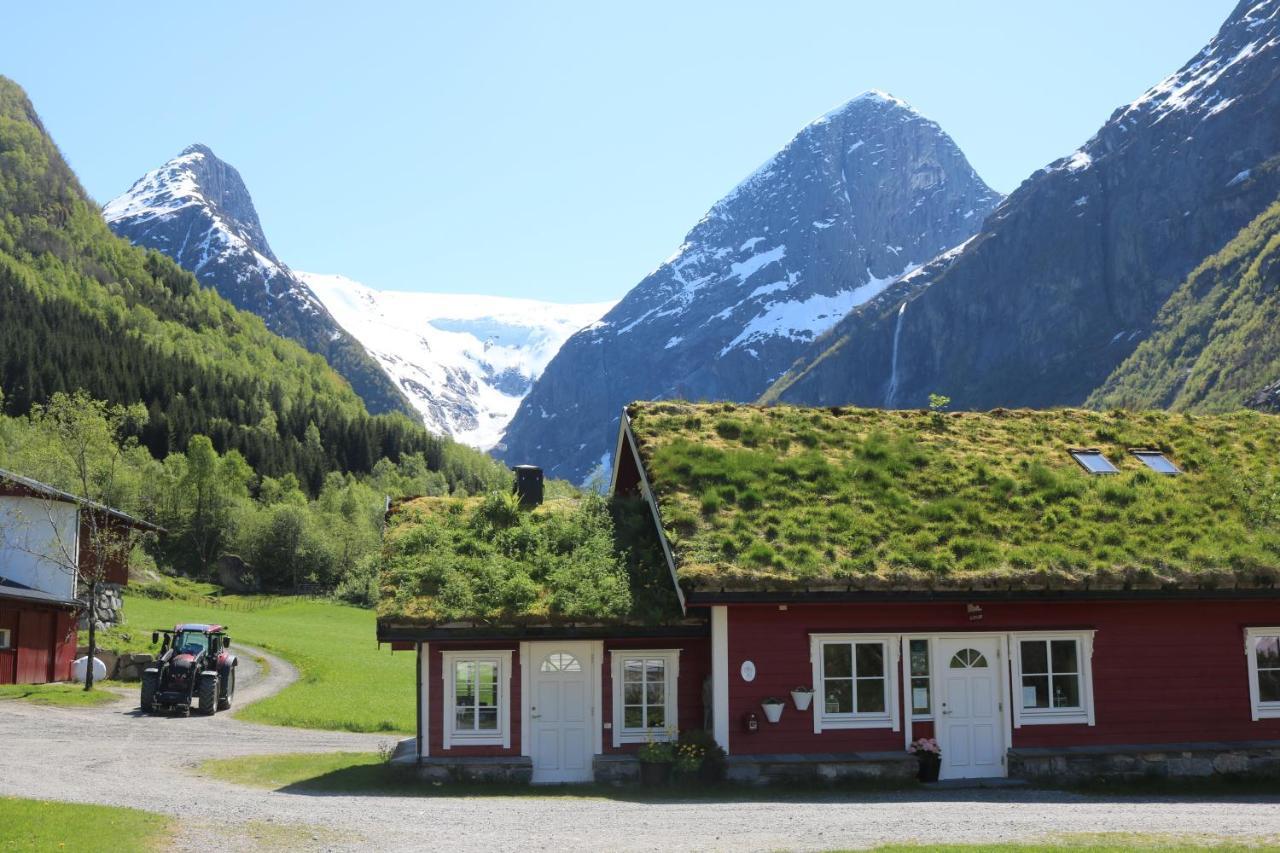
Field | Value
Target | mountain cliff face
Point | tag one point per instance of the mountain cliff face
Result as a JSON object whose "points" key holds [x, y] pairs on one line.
{"points": [[197, 210], [1216, 342], [1069, 273], [857, 198], [464, 361]]}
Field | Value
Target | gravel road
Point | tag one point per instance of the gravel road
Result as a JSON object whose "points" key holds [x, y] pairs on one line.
{"points": [[115, 756]]}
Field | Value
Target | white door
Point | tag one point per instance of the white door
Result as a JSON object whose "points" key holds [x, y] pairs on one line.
{"points": [[970, 720], [560, 713]]}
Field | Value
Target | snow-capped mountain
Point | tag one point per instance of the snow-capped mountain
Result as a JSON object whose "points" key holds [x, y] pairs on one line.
{"points": [[859, 197], [464, 361], [196, 209], [1069, 274]]}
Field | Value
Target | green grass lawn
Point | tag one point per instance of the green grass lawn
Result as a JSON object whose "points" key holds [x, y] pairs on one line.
{"points": [[42, 825], [346, 682], [67, 695]]}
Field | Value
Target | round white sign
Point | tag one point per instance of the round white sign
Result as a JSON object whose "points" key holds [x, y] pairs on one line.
{"points": [[748, 671]]}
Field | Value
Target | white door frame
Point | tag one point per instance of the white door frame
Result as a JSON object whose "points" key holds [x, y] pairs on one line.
{"points": [[592, 657], [935, 681]]}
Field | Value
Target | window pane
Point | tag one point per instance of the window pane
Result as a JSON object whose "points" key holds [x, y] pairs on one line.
{"points": [[919, 657], [1035, 691], [653, 693], [488, 719], [654, 670], [839, 697], [1066, 691], [465, 719], [870, 659], [1035, 657], [1269, 685], [464, 688], [633, 670], [837, 661], [632, 694], [487, 678], [632, 717], [920, 696], [657, 718], [1064, 656], [1268, 652], [870, 695]]}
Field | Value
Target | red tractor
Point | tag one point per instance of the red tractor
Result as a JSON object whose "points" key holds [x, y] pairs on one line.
{"points": [[194, 666]]}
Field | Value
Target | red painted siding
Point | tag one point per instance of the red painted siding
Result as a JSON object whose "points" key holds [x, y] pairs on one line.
{"points": [[43, 642], [1163, 672]]}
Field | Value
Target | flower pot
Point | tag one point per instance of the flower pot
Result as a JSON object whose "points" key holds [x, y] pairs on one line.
{"points": [[772, 712], [930, 764], [655, 774], [802, 698]]}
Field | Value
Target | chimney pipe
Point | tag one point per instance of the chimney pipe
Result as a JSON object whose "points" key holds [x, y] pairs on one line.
{"points": [[528, 485]]}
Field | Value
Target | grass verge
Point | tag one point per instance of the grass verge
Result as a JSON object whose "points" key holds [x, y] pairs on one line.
{"points": [[64, 695], [45, 825], [347, 682]]}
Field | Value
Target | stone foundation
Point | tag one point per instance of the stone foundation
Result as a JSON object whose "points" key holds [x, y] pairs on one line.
{"points": [[516, 769], [110, 605], [1146, 761], [616, 769], [821, 767]]}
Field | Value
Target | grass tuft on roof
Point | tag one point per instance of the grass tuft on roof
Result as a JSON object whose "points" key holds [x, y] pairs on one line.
{"points": [[485, 561], [787, 498]]}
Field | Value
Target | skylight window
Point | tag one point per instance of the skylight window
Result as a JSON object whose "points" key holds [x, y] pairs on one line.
{"points": [[1156, 461], [1094, 462]]}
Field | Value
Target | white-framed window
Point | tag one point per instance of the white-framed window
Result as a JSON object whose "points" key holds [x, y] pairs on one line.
{"points": [[1052, 678], [4, 638], [1262, 647], [920, 665], [644, 694], [854, 681], [477, 698]]}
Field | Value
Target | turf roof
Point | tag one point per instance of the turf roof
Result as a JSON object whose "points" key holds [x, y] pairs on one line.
{"points": [[784, 498], [485, 562]]}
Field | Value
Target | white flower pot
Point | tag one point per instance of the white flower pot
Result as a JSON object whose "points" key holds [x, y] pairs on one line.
{"points": [[802, 699], [773, 713]]}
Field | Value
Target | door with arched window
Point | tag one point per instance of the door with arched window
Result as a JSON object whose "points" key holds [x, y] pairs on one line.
{"points": [[970, 720], [560, 711]]}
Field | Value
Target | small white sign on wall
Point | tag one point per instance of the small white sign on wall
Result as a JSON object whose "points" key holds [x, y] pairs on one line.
{"points": [[748, 670]]}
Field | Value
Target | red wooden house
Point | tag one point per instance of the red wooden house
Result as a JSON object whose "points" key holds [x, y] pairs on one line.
{"points": [[1049, 594], [43, 540]]}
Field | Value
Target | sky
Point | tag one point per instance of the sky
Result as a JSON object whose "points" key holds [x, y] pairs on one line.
{"points": [[552, 150]]}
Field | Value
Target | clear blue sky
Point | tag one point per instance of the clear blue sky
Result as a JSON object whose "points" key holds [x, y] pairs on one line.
{"points": [[555, 150]]}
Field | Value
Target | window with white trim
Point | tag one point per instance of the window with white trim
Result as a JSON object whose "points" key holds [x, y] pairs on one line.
{"points": [[477, 698], [854, 679], [644, 694], [1263, 648], [1052, 678], [4, 638]]}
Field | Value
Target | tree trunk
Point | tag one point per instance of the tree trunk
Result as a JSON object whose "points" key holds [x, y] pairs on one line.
{"points": [[93, 634]]}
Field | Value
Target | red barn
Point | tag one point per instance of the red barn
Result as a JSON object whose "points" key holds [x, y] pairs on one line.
{"points": [[1053, 594], [44, 537]]}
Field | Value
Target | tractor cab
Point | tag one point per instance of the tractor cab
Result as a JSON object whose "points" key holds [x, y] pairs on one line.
{"points": [[194, 666]]}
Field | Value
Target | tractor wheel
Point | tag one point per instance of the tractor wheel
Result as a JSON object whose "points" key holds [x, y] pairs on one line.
{"points": [[229, 691], [150, 681], [208, 689]]}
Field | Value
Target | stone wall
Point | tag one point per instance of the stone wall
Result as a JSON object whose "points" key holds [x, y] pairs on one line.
{"points": [[110, 605], [616, 769], [833, 767], [516, 768], [1187, 760]]}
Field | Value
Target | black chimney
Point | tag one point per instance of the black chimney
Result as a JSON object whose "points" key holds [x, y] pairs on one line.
{"points": [[528, 485]]}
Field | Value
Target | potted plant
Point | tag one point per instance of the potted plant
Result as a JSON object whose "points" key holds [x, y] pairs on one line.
{"points": [[929, 754], [711, 766], [802, 696], [656, 758], [773, 708]]}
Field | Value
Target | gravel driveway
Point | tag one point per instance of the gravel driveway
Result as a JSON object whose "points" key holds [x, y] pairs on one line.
{"points": [[112, 755]]}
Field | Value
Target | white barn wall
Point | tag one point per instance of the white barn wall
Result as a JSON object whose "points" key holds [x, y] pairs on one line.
{"points": [[36, 537]]}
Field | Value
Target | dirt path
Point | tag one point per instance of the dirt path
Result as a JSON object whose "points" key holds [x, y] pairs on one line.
{"points": [[115, 756]]}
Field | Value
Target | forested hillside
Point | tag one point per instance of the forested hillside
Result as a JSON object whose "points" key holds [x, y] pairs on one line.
{"points": [[83, 309]]}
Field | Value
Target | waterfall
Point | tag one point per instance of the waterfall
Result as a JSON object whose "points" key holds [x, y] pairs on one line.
{"points": [[891, 392]]}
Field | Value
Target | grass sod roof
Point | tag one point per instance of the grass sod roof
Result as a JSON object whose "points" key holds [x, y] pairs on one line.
{"points": [[795, 499], [484, 562]]}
